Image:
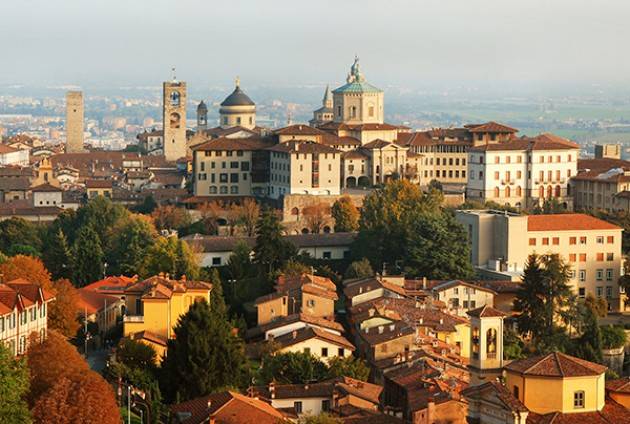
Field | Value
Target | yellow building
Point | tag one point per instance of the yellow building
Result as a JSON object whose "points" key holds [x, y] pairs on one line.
{"points": [[486, 344], [153, 307]]}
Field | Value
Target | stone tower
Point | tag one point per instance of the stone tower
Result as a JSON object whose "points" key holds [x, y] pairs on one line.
{"points": [[324, 113], [486, 344], [74, 121], [238, 110], [174, 119], [202, 116], [358, 102]]}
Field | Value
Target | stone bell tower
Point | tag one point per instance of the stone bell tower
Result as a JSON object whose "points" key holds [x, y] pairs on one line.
{"points": [[174, 118], [486, 344]]}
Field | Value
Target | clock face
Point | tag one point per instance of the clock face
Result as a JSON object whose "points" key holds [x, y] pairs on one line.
{"points": [[175, 98]]}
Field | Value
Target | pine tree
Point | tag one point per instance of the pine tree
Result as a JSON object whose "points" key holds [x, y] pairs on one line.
{"points": [[271, 251], [205, 355], [88, 257], [589, 345], [58, 256], [217, 300]]}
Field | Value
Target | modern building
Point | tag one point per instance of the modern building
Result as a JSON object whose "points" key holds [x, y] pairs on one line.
{"points": [[523, 172], [23, 313], [174, 119], [74, 121], [501, 243]]}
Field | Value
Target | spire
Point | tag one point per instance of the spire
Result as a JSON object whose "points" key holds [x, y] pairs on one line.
{"points": [[328, 99], [237, 82]]}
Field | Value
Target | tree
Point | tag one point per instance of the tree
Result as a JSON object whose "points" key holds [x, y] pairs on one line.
{"points": [[544, 296], [58, 255], [316, 216], [293, 268], [50, 361], [170, 255], [598, 305], [147, 206], [248, 214], [170, 217], [359, 269], [400, 225], [88, 257], [348, 367], [204, 355], [101, 215], [271, 250], [589, 346], [512, 344], [239, 265], [132, 237], [136, 355], [345, 214], [14, 385], [81, 398], [435, 185], [217, 300], [26, 267], [209, 213], [322, 418], [291, 368], [613, 337], [16, 234], [62, 312]]}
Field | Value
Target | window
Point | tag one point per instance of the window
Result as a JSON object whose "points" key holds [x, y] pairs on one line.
{"points": [[572, 240], [610, 239], [216, 261], [582, 257], [496, 175], [555, 241], [608, 292], [307, 350], [572, 273], [572, 257], [582, 275], [545, 241], [223, 178], [578, 399], [327, 255], [310, 303], [325, 352], [515, 391], [600, 257], [599, 290], [233, 165], [341, 352], [532, 242], [1, 324], [234, 177], [599, 274], [609, 274], [582, 240], [223, 189], [581, 292], [297, 405], [610, 256], [600, 239]]}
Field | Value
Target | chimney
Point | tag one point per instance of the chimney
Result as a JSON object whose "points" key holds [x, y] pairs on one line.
{"points": [[430, 410], [272, 390], [380, 329], [441, 320], [294, 334], [213, 420], [392, 327], [424, 283], [209, 403]]}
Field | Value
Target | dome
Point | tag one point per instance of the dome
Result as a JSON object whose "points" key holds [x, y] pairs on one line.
{"points": [[238, 98], [202, 107]]}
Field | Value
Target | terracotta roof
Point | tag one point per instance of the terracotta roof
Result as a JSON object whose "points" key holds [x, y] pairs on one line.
{"points": [[98, 183], [491, 127], [93, 301], [620, 385], [358, 388], [567, 222], [611, 413], [354, 154], [268, 297], [150, 337], [4, 149], [299, 129], [160, 286], [29, 290], [14, 183], [486, 312], [291, 319], [541, 142], [226, 408], [385, 333], [369, 284], [600, 165], [380, 144], [296, 391], [555, 364], [501, 392], [307, 333], [46, 187], [116, 284], [233, 144], [445, 285]]}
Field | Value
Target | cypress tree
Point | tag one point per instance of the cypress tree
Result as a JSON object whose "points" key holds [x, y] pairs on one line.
{"points": [[88, 257]]}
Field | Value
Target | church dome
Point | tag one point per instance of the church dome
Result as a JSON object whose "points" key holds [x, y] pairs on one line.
{"points": [[238, 98]]}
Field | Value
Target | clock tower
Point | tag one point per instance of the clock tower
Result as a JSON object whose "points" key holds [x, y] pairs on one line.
{"points": [[174, 119]]}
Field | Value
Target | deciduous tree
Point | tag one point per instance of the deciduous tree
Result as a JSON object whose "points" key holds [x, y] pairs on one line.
{"points": [[14, 385], [348, 367], [170, 255], [317, 216], [271, 250], [248, 214], [26, 267], [170, 217], [291, 368], [132, 237], [62, 312], [345, 214], [359, 269]]}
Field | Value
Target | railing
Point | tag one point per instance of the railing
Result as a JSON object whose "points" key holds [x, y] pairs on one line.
{"points": [[133, 318]]}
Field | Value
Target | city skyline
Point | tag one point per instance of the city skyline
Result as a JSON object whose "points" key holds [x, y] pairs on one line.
{"points": [[279, 44]]}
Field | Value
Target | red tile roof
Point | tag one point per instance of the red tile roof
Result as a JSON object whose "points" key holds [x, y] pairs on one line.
{"points": [[93, 301], [611, 413], [555, 364], [486, 312], [491, 127], [567, 222], [620, 385]]}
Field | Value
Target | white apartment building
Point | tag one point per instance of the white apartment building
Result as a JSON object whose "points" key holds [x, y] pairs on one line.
{"points": [[523, 172], [304, 167], [23, 312], [501, 243], [12, 156]]}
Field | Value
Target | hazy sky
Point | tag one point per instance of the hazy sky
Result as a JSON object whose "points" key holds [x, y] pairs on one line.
{"points": [[411, 43]]}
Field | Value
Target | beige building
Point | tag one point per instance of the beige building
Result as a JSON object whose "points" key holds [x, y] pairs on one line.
{"points": [[238, 110], [174, 119], [602, 184], [74, 121], [298, 167], [523, 172], [229, 166], [461, 297], [501, 243], [324, 113], [486, 344], [358, 102], [608, 151]]}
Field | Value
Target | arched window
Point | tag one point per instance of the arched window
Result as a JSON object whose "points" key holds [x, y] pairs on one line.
{"points": [[491, 343], [519, 193], [507, 191], [549, 191], [497, 192], [541, 192], [304, 230], [213, 190], [295, 211], [326, 229], [558, 191]]}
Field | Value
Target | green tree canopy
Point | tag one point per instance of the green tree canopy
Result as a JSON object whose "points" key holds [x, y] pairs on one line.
{"points": [[204, 355], [348, 367], [170, 255], [291, 368], [136, 355], [131, 239], [88, 257], [345, 214], [271, 251], [589, 345], [613, 337], [18, 236], [58, 255], [359, 269], [400, 225], [14, 386]]}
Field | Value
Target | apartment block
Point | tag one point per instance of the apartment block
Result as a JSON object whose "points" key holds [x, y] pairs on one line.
{"points": [[602, 184], [501, 243]]}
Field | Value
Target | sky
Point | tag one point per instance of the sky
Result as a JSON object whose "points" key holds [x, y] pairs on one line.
{"points": [[404, 43]]}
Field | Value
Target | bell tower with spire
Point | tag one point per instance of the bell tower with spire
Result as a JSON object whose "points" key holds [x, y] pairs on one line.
{"points": [[325, 113], [174, 118]]}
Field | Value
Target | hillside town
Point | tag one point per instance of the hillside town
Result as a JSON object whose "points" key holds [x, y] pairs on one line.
{"points": [[342, 270]]}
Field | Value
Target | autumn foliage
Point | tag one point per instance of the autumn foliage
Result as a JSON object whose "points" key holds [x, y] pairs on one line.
{"points": [[26, 267]]}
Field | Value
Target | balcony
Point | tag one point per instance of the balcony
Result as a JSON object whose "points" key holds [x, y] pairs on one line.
{"points": [[134, 318]]}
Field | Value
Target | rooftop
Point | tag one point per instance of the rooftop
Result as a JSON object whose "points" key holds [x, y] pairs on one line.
{"points": [[555, 364], [567, 222]]}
